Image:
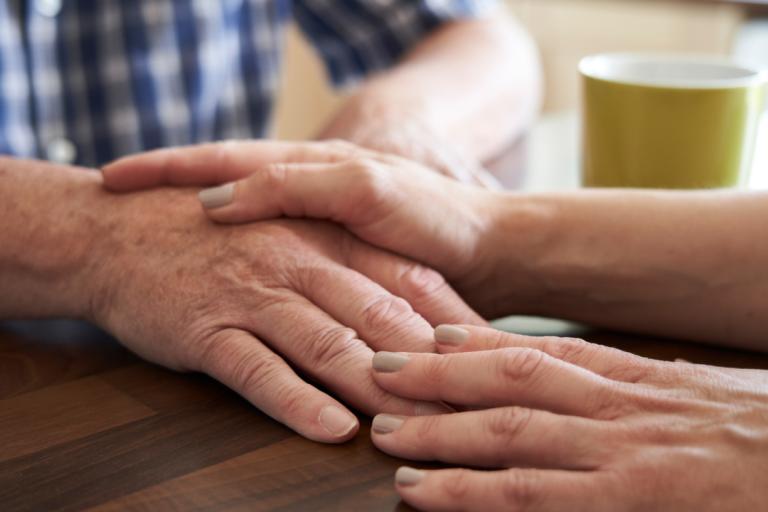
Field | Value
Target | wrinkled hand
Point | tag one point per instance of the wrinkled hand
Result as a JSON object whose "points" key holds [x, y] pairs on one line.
{"points": [[388, 201], [408, 138], [597, 429], [241, 303]]}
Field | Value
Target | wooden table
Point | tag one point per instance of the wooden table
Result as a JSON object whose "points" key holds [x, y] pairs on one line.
{"points": [[85, 424]]}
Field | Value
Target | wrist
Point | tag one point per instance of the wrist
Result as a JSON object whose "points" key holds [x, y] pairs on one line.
{"points": [[522, 231], [73, 254], [408, 132], [368, 116], [47, 237], [379, 118]]}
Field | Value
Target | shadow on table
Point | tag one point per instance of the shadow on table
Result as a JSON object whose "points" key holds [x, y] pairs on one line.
{"points": [[56, 331]]}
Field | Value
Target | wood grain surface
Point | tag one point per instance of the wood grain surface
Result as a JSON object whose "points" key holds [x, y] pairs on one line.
{"points": [[86, 425]]}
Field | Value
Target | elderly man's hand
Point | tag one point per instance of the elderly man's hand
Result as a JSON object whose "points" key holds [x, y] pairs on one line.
{"points": [[246, 304]]}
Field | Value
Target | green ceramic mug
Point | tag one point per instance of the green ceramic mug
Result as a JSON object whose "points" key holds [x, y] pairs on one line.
{"points": [[668, 121]]}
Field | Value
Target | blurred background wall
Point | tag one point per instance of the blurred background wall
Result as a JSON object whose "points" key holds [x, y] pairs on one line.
{"points": [[565, 30]]}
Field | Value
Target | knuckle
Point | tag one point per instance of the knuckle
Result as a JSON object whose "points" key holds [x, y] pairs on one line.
{"points": [[625, 367], [421, 282], [628, 370], [260, 376], [509, 423], [371, 176], [210, 352], [330, 346], [518, 488], [385, 312], [458, 486], [608, 403], [497, 339], [434, 370], [274, 175], [520, 364], [427, 430], [292, 404], [372, 186], [250, 374], [568, 349]]}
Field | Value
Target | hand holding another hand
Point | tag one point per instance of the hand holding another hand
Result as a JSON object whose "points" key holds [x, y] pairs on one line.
{"points": [[566, 424], [385, 200], [242, 302]]}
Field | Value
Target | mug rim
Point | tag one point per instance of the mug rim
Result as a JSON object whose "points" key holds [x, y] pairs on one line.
{"points": [[751, 76]]}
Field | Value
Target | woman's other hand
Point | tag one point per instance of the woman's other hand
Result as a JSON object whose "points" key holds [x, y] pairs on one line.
{"points": [[569, 425]]}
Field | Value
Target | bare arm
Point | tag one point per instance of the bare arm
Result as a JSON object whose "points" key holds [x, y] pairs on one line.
{"points": [[682, 264], [45, 236], [471, 88]]}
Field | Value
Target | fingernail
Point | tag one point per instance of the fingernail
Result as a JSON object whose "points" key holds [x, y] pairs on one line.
{"points": [[386, 423], [337, 421], [451, 335], [408, 476], [431, 409], [217, 197], [389, 362]]}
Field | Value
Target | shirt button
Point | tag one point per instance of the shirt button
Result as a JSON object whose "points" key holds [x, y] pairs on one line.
{"points": [[49, 8], [61, 151]]}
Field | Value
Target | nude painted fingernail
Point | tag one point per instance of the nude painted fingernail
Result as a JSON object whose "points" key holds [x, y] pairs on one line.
{"points": [[337, 421], [451, 335], [408, 476], [389, 362], [217, 197], [386, 423]]}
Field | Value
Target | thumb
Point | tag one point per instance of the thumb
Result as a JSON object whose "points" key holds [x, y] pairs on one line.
{"points": [[213, 163]]}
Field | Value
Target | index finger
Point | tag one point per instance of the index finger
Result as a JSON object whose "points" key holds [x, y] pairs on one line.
{"points": [[495, 378], [512, 489], [608, 362], [216, 162]]}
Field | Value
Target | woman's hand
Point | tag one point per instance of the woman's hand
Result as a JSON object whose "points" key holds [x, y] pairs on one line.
{"points": [[387, 201], [580, 427]]}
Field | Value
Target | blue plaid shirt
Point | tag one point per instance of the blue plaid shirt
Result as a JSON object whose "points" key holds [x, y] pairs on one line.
{"points": [[86, 81]]}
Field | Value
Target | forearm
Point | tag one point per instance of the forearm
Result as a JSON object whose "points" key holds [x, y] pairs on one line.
{"points": [[473, 83], [691, 265], [44, 238]]}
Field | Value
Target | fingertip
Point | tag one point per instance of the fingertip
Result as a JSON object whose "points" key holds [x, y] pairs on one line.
{"points": [[217, 197], [410, 485], [109, 175], [408, 477], [451, 338], [337, 423]]}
